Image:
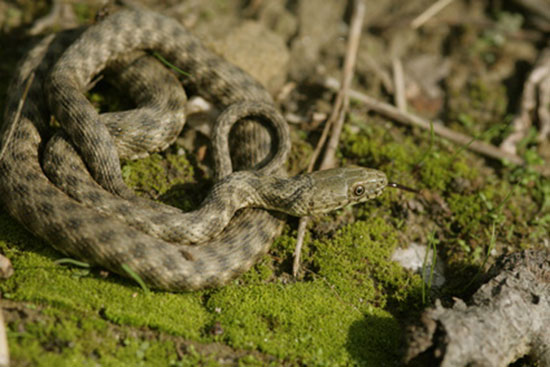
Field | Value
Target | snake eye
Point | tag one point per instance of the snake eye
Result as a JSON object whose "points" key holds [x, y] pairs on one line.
{"points": [[359, 190]]}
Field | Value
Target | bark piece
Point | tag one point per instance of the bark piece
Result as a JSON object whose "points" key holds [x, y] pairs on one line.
{"points": [[508, 318]]}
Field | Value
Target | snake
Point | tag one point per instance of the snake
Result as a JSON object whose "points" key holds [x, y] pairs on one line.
{"points": [[65, 185]]}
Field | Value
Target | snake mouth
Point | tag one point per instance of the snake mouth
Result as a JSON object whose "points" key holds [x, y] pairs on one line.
{"points": [[380, 189], [377, 191], [380, 183]]}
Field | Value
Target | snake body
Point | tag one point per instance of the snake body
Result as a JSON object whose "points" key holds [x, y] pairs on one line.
{"points": [[89, 213]]}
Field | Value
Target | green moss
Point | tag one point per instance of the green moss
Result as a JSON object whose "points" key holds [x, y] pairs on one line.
{"points": [[321, 321], [151, 174], [467, 212], [285, 245], [167, 177], [58, 339], [356, 262], [303, 322], [43, 282], [435, 172], [260, 273], [371, 146], [440, 168], [367, 147]]}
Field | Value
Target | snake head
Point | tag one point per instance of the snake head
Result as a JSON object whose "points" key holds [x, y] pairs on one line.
{"points": [[335, 188]]}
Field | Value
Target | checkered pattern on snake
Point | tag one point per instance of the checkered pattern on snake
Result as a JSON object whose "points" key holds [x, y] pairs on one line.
{"points": [[104, 223]]}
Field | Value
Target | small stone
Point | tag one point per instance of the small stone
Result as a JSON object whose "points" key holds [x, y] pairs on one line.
{"points": [[259, 51], [6, 269]]}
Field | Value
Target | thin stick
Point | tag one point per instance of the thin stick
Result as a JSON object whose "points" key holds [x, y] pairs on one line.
{"points": [[320, 144], [429, 13], [410, 119], [399, 85], [532, 99], [379, 71], [302, 224], [349, 67], [17, 116], [49, 19], [336, 119], [4, 350]]}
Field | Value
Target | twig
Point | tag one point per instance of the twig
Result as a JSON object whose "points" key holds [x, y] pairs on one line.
{"points": [[379, 71], [399, 85], [336, 119], [17, 116], [411, 119], [49, 19], [302, 224], [61, 13], [320, 145], [340, 109], [429, 13], [534, 101], [4, 350]]}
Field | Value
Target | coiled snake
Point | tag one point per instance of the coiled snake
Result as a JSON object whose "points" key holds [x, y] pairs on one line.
{"points": [[76, 200]]}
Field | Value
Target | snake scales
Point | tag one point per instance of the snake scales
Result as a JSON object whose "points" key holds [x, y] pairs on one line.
{"points": [[89, 213]]}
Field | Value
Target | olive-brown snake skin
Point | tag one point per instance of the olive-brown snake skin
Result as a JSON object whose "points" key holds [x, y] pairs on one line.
{"points": [[99, 220]]}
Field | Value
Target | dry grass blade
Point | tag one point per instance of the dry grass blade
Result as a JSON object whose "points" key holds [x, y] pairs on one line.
{"points": [[4, 350], [399, 85], [429, 13], [342, 100], [17, 116], [336, 119], [534, 104], [413, 120]]}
